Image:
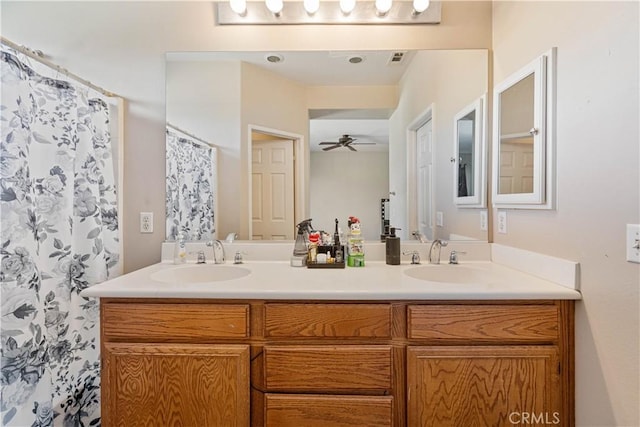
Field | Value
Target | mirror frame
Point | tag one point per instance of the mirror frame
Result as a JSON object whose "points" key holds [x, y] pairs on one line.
{"points": [[479, 197], [543, 131]]}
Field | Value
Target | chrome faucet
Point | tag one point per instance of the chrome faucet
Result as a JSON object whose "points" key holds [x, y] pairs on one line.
{"points": [[214, 244], [419, 236], [435, 248], [453, 256]]}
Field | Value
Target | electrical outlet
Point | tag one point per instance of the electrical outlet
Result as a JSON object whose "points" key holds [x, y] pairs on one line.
{"points": [[439, 219], [484, 221], [502, 222], [146, 222], [633, 243]]}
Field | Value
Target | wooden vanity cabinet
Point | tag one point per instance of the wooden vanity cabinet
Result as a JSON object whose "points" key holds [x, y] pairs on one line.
{"points": [[335, 364], [490, 364], [171, 363]]}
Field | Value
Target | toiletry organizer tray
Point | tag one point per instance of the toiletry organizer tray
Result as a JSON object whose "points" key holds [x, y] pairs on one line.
{"points": [[325, 265]]}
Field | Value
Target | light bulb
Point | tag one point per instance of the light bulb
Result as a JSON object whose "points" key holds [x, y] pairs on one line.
{"points": [[347, 6], [383, 6], [420, 5], [311, 6], [275, 6], [238, 6]]}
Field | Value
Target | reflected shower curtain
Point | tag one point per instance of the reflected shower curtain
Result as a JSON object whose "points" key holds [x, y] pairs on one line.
{"points": [[190, 187], [58, 236]]}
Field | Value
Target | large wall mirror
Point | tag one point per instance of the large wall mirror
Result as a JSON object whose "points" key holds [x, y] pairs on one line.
{"points": [[524, 137], [339, 119]]}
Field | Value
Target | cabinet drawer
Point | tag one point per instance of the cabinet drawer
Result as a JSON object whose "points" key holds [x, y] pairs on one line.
{"points": [[327, 368], [174, 322], [328, 320], [484, 323], [328, 411]]}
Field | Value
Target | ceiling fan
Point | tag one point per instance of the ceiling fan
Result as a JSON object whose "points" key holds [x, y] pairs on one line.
{"points": [[344, 141]]}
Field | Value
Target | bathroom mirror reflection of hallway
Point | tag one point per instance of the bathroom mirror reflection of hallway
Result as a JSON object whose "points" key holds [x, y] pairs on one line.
{"points": [[223, 97]]}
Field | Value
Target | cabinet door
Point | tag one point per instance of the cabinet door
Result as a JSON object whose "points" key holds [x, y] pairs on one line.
{"points": [[166, 384], [483, 386]]}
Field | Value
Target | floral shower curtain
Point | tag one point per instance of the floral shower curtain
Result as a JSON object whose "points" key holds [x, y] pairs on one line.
{"points": [[190, 187], [59, 235]]}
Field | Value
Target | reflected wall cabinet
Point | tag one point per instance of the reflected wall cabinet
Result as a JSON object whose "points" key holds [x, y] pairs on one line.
{"points": [[524, 137]]}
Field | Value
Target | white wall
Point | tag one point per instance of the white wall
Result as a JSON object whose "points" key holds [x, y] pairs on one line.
{"points": [[598, 184], [449, 80], [121, 46], [346, 183]]}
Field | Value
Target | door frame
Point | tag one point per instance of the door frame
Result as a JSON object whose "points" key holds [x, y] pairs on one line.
{"points": [[299, 171], [412, 175]]}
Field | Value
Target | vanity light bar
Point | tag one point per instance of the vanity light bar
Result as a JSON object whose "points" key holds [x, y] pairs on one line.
{"points": [[328, 12]]}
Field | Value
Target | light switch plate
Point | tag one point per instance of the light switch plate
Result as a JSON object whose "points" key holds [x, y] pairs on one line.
{"points": [[633, 243], [502, 222], [484, 221], [439, 219]]}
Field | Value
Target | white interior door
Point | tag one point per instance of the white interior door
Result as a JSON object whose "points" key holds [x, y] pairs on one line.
{"points": [[424, 175], [272, 190]]}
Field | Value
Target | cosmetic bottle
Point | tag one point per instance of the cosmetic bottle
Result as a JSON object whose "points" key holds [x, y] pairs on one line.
{"points": [[355, 244], [392, 247], [337, 245], [314, 238], [180, 249]]}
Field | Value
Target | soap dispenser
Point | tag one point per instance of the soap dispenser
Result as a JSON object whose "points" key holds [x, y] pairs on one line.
{"points": [[392, 246]]}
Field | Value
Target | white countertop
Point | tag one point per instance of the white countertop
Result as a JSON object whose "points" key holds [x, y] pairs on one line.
{"points": [[376, 281]]}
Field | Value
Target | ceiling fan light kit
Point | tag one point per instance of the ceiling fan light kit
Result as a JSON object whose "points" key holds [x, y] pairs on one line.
{"points": [[344, 141]]}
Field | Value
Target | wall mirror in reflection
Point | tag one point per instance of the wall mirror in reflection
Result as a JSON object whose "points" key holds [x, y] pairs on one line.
{"points": [[469, 159]]}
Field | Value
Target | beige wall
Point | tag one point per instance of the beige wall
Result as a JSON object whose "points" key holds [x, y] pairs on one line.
{"points": [[271, 101], [353, 97], [449, 80], [121, 46], [598, 183]]}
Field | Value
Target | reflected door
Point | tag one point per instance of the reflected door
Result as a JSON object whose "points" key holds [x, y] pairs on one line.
{"points": [[516, 166], [272, 190], [424, 168]]}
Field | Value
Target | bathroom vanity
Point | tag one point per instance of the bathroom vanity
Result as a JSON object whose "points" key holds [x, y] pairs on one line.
{"points": [[355, 347]]}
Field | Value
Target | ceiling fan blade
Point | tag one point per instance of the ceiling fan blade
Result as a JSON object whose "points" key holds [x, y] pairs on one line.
{"points": [[350, 148], [330, 148], [364, 143], [327, 143]]}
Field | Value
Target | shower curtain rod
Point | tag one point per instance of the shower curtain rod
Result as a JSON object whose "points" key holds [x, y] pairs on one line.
{"points": [[36, 55], [190, 135]]}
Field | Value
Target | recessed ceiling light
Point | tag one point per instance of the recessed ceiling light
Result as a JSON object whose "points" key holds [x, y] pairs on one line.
{"points": [[274, 58], [356, 59]]}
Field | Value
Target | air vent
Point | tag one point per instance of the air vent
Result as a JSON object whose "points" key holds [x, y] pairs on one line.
{"points": [[396, 58]]}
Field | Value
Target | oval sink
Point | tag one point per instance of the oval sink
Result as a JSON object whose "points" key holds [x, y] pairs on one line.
{"points": [[200, 273], [450, 274]]}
